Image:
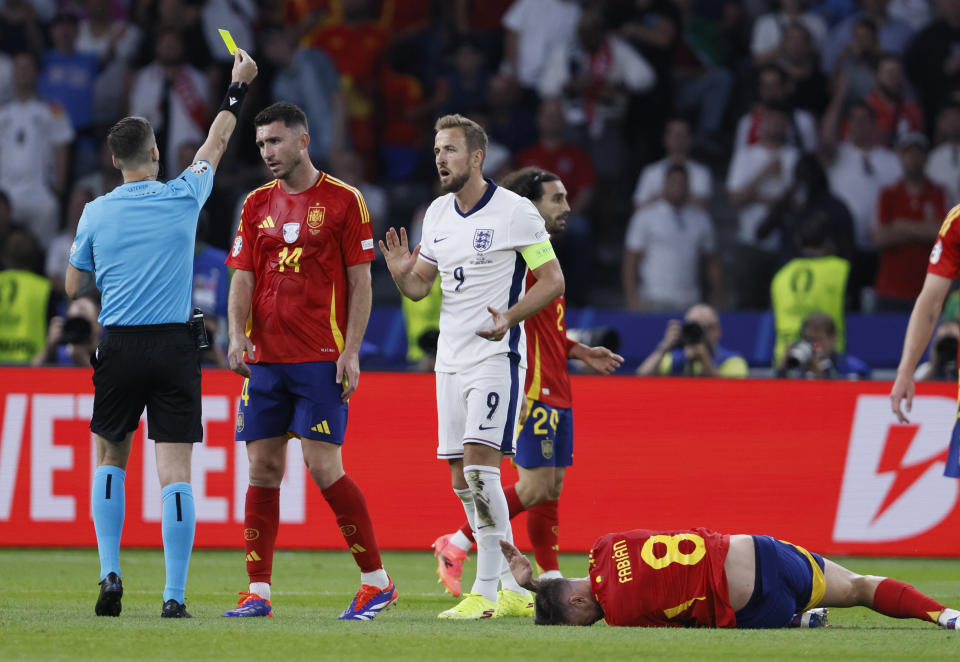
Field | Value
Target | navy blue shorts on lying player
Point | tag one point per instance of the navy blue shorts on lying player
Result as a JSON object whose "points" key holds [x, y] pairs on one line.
{"points": [[299, 398], [789, 580], [546, 438]]}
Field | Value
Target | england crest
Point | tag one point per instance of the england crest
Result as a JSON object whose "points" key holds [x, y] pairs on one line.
{"points": [[290, 232], [482, 240]]}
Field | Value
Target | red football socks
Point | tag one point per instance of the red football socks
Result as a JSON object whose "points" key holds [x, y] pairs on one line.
{"points": [[260, 522], [513, 503], [543, 527], [899, 600], [350, 508]]}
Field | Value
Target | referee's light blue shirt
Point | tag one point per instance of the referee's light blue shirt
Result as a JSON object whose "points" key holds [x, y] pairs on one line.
{"points": [[139, 241]]}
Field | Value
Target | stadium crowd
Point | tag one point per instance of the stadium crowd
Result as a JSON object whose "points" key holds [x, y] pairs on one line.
{"points": [[798, 155]]}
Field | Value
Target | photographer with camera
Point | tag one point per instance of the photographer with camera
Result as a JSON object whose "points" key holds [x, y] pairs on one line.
{"points": [[815, 355], [72, 339], [692, 348], [942, 365]]}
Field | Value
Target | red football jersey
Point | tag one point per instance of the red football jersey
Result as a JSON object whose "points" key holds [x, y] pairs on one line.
{"points": [[662, 578], [547, 349], [900, 271], [299, 247]]}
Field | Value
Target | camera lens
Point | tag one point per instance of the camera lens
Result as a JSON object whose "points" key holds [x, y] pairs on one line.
{"points": [[691, 333]]}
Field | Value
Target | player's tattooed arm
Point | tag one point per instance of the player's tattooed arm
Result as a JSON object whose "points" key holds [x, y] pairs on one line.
{"points": [[519, 566]]}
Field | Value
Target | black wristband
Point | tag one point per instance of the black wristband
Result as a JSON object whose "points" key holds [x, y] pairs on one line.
{"points": [[234, 98]]}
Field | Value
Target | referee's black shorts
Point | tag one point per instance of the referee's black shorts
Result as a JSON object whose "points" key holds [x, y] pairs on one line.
{"points": [[157, 366]]}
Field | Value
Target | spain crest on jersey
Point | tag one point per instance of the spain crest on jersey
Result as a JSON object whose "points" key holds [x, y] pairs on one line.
{"points": [[482, 239], [315, 218], [290, 232]]}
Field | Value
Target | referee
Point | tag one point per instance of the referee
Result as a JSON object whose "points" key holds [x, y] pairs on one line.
{"points": [[135, 244]]}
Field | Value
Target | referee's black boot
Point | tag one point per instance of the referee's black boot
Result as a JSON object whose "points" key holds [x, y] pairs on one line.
{"points": [[174, 609], [111, 590]]}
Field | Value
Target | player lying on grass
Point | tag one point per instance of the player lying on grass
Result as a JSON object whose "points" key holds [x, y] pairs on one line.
{"points": [[701, 578]]}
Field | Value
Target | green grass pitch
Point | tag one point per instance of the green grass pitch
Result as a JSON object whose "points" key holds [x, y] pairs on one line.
{"points": [[47, 614]]}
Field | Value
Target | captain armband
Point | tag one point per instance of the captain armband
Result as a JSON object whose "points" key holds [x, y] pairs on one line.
{"points": [[538, 254]]}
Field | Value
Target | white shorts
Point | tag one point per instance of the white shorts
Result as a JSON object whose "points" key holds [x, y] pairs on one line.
{"points": [[479, 405]]}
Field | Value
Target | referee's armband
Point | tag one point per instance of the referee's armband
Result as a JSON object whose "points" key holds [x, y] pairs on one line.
{"points": [[234, 98], [538, 254]]}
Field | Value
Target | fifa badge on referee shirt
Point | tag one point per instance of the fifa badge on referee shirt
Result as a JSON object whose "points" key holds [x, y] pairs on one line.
{"points": [[315, 218], [290, 232]]}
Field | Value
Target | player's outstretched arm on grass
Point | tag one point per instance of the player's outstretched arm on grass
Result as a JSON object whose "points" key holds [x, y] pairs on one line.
{"points": [[548, 287], [923, 319], [414, 277], [519, 566]]}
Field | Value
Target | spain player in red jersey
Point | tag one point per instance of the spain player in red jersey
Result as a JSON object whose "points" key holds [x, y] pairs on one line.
{"points": [[701, 578], [299, 304], [545, 439], [942, 269]]}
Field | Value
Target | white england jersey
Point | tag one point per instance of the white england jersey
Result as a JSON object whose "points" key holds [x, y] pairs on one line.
{"points": [[478, 256]]}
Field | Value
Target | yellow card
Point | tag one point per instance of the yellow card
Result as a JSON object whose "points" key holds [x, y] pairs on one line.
{"points": [[228, 40]]}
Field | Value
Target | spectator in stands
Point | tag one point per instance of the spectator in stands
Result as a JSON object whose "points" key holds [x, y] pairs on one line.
{"points": [[670, 249], [26, 303], [895, 114], [67, 76], [799, 60], [173, 96], [942, 364], [533, 28], [854, 69], [654, 28], [465, 87], [509, 123], [6, 218], [858, 169], [815, 355], [772, 91], [35, 137], [759, 175], [20, 27], [308, 78], [893, 35], [184, 16], [692, 348], [357, 44], [703, 83], [769, 29], [909, 215], [807, 198], [71, 339], [915, 13], [815, 280], [116, 42], [933, 60], [105, 178], [59, 250], [238, 16], [943, 165], [677, 140], [595, 75], [482, 20], [347, 166], [554, 154]]}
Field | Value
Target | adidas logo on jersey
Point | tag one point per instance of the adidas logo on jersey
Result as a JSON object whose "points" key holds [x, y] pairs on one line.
{"points": [[267, 223], [321, 427]]}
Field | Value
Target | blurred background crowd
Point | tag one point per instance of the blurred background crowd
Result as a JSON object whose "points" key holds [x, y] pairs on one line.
{"points": [[791, 156]]}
